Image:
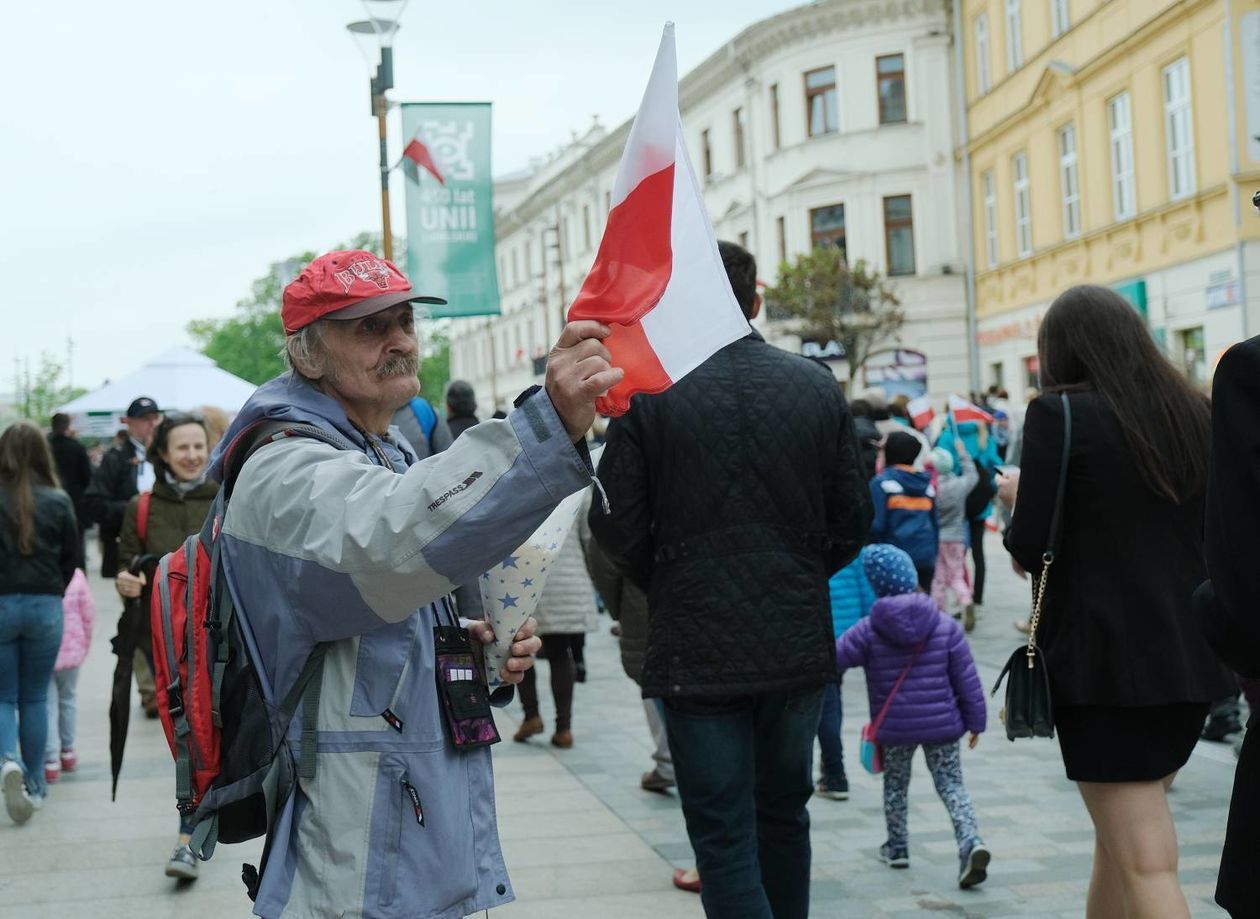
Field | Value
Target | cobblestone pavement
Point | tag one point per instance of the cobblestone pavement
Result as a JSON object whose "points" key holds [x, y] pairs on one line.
{"points": [[582, 840]]}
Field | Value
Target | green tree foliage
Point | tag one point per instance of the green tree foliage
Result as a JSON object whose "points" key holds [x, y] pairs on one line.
{"points": [[829, 300], [40, 393]]}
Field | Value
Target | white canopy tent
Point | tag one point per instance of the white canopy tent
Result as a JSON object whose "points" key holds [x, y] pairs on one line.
{"points": [[178, 379]]}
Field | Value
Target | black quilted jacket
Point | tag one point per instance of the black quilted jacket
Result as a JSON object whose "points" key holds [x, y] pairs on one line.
{"points": [[735, 495]]}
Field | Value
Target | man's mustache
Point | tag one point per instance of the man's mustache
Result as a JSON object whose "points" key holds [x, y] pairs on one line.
{"points": [[401, 365]]}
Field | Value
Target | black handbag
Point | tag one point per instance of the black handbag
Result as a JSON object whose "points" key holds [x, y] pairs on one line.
{"points": [[1029, 710]]}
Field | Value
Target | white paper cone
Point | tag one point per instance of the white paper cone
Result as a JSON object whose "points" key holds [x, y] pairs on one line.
{"points": [[510, 590]]}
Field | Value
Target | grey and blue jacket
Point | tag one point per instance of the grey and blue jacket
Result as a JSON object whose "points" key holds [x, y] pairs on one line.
{"points": [[328, 545]]}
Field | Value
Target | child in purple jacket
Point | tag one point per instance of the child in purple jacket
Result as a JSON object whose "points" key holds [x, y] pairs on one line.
{"points": [[940, 700]]}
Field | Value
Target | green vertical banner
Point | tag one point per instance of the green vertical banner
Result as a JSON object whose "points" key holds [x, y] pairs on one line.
{"points": [[450, 205]]}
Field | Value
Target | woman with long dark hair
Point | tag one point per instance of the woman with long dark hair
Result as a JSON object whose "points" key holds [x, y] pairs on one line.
{"points": [[1131, 675], [177, 507], [39, 548]]}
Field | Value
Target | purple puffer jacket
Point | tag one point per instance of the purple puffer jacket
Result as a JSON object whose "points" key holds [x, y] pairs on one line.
{"points": [[941, 698]]}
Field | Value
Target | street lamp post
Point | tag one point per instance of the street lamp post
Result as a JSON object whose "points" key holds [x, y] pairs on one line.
{"points": [[381, 30]]}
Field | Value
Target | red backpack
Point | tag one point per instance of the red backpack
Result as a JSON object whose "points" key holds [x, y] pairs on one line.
{"points": [[233, 766]]}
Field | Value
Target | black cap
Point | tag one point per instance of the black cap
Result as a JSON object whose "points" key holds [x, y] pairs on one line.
{"points": [[141, 407]]}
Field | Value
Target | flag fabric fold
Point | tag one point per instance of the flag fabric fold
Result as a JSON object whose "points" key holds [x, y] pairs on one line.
{"points": [[658, 279], [920, 411], [961, 410]]}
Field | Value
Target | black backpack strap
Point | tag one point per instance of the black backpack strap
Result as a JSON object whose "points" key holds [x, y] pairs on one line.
{"points": [[222, 609]]}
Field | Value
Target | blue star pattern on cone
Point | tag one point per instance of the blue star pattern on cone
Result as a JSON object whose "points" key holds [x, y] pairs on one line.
{"points": [[510, 590]]}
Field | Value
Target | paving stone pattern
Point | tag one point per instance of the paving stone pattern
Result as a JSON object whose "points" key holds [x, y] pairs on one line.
{"points": [[582, 840]]}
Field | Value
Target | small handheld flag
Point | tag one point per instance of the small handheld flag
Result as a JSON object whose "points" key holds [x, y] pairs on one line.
{"points": [[416, 155], [962, 410]]}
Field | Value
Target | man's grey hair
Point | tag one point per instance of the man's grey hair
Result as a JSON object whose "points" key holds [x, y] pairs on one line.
{"points": [[305, 354]]}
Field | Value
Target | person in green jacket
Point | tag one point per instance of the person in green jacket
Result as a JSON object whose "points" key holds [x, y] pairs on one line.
{"points": [[177, 507]]}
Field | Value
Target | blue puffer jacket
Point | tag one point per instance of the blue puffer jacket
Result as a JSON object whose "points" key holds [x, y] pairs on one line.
{"points": [[851, 596], [941, 697], [905, 513], [987, 460]]}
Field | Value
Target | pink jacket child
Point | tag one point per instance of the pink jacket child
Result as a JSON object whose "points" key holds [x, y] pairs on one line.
{"points": [[79, 610]]}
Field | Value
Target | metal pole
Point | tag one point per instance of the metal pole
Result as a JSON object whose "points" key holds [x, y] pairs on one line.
{"points": [[384, 82], [960, 77], [564, 305], [387, 235]]}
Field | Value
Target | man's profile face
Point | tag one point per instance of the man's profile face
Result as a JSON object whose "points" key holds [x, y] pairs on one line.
{"points": [[142, 429], [373, 361]]}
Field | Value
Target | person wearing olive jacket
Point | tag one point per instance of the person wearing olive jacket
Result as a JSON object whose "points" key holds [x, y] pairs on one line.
{"points": [[177, 507]]}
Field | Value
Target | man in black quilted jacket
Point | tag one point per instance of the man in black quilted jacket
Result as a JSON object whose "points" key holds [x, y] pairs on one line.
{"points": [[735, 495]]}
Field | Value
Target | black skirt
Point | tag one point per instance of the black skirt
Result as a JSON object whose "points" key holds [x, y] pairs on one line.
{"points": [[1106, 743]]}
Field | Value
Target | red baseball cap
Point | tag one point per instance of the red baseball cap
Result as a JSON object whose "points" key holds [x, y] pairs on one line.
{"points": [[345, 285]]}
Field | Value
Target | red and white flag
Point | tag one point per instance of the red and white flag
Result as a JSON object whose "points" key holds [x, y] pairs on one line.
{"points": [[417, 155], [962, 410], [658, 279], [920, 411]]}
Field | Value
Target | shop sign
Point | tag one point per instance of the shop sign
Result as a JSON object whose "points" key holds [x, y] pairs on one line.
{"points": [[830, 350]]}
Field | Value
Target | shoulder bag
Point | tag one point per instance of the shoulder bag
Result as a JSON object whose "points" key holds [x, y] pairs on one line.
{"points": [[1029, 710]]}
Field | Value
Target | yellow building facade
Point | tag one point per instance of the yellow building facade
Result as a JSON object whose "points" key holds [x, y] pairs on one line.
{"points": [[1113, 142]]}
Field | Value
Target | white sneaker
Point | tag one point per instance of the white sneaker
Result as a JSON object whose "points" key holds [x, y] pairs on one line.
{"points": [[16, 800]]}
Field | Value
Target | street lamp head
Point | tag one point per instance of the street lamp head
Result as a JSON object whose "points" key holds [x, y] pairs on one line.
{"points": [[373, 33]]}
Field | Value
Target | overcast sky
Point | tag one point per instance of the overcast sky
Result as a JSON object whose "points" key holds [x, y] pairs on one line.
{"points": [[157, 157]]}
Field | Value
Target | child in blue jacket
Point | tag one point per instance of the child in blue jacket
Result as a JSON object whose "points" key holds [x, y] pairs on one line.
{"points": [[905, 507], [851, 599]]}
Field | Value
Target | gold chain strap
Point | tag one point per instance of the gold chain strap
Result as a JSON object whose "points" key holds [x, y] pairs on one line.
{"points": [[1034, 618]]}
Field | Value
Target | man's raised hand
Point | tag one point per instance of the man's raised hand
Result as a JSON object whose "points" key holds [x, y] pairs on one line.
{"points": [[579, 370]]}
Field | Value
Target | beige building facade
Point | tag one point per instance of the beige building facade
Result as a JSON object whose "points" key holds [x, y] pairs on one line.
{"points": [[1114, 142]]}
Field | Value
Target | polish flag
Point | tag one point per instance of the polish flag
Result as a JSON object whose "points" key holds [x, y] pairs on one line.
{"points": [[658, 280], [920, 411], [416, 154], [962, 410]]}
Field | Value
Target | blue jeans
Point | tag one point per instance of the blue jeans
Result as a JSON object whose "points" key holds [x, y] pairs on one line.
{"points": [[744, 771], [829, 735], [30, 637]]}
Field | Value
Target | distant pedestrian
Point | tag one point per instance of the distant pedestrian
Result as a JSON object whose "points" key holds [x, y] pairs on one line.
{"points": [[179, 501], [216, 422], [951, 560], [628, 606], [74, 472], [124, 473], [905, 506], [735, 494], [924, 688], [565, 613], [974, 436], [461, 407], [79, 613], [1131, 676], [422, 427], [869, 438], [39, 542], [851, 600]]}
